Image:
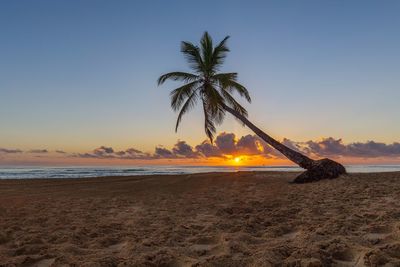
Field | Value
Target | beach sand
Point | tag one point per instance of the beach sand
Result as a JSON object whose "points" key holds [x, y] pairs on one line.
{"points": [[215, 219]]}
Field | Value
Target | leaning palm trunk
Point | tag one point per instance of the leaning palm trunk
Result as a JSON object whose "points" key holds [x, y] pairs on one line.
{"points": [[316, 169], [213, 89]]}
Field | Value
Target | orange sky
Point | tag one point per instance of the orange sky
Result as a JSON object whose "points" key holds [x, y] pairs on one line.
{"points": [[227, 149], [313, 71], [240, 160]]}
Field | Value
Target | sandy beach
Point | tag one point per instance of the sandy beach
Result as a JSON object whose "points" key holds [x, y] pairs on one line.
{"points": [[215, 219]]}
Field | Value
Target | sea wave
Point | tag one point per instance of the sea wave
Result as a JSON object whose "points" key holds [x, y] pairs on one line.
{"points": [[87, 172]]}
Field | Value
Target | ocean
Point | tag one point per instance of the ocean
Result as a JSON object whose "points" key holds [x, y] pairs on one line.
{"points": [[86, 172]]}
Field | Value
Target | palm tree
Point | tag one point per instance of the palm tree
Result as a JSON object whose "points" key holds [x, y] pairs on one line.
{"points": [[214, 89]]}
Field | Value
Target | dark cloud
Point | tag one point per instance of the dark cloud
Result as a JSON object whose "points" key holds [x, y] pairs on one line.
{"points": [[182, 149], [84, 155], [38, 151], [103, 151], [120, 153], [10, 151], [60, 152], [331, 147], [326, 147], [208, 150], [250, 145], [374, 149], [162, 152], [132, 153], [292, 144], [227, 144]]}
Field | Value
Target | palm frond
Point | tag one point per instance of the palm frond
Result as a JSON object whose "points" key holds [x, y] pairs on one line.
{"points": [[213, 98], [177, 76], [215, 89], [189, 104], [219, 54], [234, 104], [215, 104], [179, 94], [223, 78], [219, 115], [231, 85], [206, 45], [209, 126], [192, 55]]}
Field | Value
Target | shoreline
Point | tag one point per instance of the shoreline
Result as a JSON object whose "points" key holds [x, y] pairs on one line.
{"points": [[152, 176], [295, 173], [211, 219], [70, 172]]}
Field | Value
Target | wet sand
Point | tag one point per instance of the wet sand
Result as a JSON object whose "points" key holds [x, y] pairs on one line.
{"points": [[215, 219]]}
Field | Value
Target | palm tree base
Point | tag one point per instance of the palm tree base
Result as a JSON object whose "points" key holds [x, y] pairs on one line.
{"points": [[321, 169]]}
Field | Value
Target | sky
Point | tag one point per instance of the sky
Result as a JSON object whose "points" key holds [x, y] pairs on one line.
{"points": [[76, 76]]}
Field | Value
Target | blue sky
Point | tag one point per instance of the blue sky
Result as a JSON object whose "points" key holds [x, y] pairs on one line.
{"points": [[75, 75]]}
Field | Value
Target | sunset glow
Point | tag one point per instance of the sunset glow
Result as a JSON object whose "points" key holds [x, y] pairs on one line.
{"points": [[199, 133], [64, 97], [243, 160]]}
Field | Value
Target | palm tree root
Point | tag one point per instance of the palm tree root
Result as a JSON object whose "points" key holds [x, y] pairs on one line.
{"points": [[321, 169]]}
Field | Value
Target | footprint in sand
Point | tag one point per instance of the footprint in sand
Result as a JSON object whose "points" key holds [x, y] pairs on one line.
{"points": [[376, 238], [119, 248], [202, 249], [388, 255], [205, 247], [378, 233], [349, 257], [393, 250], [285, 232], [44, 263], [291, 235]]}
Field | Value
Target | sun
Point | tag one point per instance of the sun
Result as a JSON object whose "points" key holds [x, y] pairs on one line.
{"points": [[237, 160]]}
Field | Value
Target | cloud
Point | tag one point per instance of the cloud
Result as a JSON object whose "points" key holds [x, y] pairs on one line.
{"points": [[162, 152], [10, 151], [182, 149], [331, 147], [250, 145], [38, 151], [84, 155], [374, 149], [132, 153], [120, 153], [60, 152], [103, 151], [228, 144], [326, 147], [206, 149], [292, 144]]}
